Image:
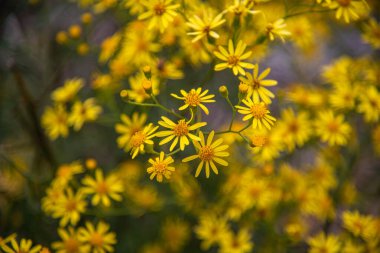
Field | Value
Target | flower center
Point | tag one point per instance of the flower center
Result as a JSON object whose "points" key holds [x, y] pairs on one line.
{"points": [[160, 167], [333, 127], [206, 153], [258, 110], [71, 245], [206, 30], [159, 9], [96, 239], [344, 3], [192, 98], [233, 60], [259, 141], [102, 188], [138, 139], [256, 83], [71, 205], [181, 128]]}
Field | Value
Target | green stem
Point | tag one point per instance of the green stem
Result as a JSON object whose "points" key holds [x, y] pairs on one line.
{"points": [[164, 108], [306, 12]]}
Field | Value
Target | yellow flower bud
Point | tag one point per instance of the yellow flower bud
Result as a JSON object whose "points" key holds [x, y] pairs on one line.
{"points": [[91, 164], [83, 49], [75, 31], [147, 71], [86, 18], [61, 37], [223, 91], [124, 94], [147, 85]]}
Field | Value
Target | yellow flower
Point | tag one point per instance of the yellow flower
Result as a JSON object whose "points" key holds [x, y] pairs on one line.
{"points": [[295, 129], [332, 129], [70, 242], [369, 104], [109, 47], [343, 96], [277, 29], [25, 246], [68, 91], [65, 172], [258, 111], [137, 91], [204, 25], [160, 167], [324, 244], [128, 127], [69, 207], [195, 98], [102, 189], [4, 241], [372, 33], [211, 230], [209, 152], [178, 132], [140, 138], [55, 121], [239, 243], [256, 82], [160, 12], [356, 223], [347, 9], [241, 8], [83, 112], [98, 237], [233, 58]]}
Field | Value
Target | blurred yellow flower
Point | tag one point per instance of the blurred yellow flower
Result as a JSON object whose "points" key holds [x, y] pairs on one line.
{"points": [[277, 29], [68, 91], [82, 112], [322, 243], [332, 128], [102, 189], [237, 243], [55, 121], [97, 237], [70, 242], [205, 25], [128, 127], [211, 230]]}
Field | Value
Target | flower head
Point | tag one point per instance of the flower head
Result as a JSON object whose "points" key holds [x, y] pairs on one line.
{"points": [[209, 153], [277, 29], [160, 13], [55, 121], [83, 112], [204, 25], [160, 167], [233, 58], [195, 98], [179, 132], [128, 127], [97, 237], [258, 111], [332, 128], [102, 189], [70, 242], [68, 91], [257, 83], [322, 243], [140, 138]]}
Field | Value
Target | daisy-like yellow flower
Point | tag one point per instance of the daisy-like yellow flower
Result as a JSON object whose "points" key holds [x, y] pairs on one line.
{"points": [[178, 132], [204, 26], [258, 111], [25, 246], [211, 230], [128, 127], [140, 138], [195, 98], [55, 121], [277, 29], [6, 240], [372, 33], [84, 112], [347, 9], [66, 172], [369, 104], [69, 207], [233, 58], [239, 243], [332, 128], [68, 91], [257, 83], [160, 13], [322, 243], [69, 242], [103, 189], [209, 152], [240, 8], [98, 237], [160, 167], [356, 223]]}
